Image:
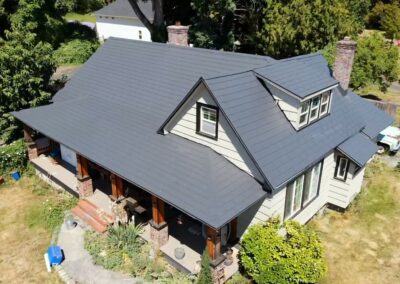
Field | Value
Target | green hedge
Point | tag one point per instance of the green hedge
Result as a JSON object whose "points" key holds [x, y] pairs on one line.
{"points": [[13, 157], [269, 257], [75, 51]]}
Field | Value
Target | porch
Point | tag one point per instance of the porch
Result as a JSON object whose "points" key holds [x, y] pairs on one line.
{"points": [[165, 226]]}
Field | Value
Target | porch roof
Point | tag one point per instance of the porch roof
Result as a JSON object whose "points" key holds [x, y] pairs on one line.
{"points": [[358, 148], [123, 139]]}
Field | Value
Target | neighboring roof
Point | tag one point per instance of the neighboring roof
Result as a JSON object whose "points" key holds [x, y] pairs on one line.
{"points": [[302, 76], [122, 8], [123, 139], [358, 148]]}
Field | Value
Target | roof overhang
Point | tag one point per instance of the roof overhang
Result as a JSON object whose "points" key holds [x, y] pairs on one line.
{"points": [[358, 148]]}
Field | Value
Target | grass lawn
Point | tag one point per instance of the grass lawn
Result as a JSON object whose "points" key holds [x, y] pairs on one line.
{"points": [[363, 244], [80, 17], [29, 212]]}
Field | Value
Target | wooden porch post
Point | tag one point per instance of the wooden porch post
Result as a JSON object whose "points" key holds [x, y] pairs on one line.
{"points": [[213, 243], [233, 236], [32, 148], [159, 226], [158, 210], [117, 186], [85, 185]]}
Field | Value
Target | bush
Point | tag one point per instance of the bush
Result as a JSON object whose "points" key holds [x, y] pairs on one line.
{"points": [[13, 156], [76, 30], [205, 275], [268, 257], [75, 52]]}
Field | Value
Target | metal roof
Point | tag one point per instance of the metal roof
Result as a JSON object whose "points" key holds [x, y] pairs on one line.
{"points": [[123, 139], [300, 76], [111, 109], [358, 148], [278, 149], [122, 8]]}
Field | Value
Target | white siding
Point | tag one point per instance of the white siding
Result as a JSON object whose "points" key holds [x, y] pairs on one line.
{"points": [[289, 105], [128, 28], [228, 145], [341, 193], [331, 191]]}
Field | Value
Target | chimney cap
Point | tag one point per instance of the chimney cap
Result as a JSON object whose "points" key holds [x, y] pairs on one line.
{"points": [[347, 41]]}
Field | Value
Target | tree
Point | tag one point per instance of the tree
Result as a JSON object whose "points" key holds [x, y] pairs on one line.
{"points": [[294, 27], [157, 27], [27, 65], [269, 257], [205, 275], [386, 17]]}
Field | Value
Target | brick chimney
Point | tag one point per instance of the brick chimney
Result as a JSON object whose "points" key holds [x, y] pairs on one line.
{"points": [[345, 51], [178, 34]]}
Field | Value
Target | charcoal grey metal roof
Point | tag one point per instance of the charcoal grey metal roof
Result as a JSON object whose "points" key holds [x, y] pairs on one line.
{"points": [[123, 139], [122, 8], [278, 149], [111, 109], [358, 148], [302, 76]]}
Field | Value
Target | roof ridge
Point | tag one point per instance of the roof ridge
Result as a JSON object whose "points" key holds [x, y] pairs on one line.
{"points": [[205, 50], [297, 57]]}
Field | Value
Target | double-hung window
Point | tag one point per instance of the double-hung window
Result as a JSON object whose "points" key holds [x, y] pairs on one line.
{"points": [[342, 167], [314, 108], [324, 104], [207, 120], [305, 107], [303, 190]]}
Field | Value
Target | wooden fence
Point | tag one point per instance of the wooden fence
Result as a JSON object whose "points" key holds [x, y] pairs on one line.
{"points": [[388, 107]]}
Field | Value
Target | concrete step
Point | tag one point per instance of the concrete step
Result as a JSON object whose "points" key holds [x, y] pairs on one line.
{"points": [[94, 222]]}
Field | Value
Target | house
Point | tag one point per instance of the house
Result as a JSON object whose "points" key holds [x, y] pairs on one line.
{"points": [[118, 19], [209, 142]]}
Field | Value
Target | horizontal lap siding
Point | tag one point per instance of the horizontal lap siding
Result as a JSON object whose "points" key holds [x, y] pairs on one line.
{"points": [[227, 144]]}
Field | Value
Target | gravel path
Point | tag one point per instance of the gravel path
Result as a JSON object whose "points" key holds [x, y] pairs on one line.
{"points": [[78, 263]]}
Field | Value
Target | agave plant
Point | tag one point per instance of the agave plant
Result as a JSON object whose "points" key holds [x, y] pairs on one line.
{"points": [[125, 236]]}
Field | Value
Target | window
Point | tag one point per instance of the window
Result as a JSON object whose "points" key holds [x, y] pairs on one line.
{"points": [[342, 167], [304, 113], [207, 120], [314, 108], [324, 104], [302, 191], [140, 35]]}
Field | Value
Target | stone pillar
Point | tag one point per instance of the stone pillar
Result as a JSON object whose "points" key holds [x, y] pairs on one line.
{"points": [[158, 225], [345, 52], [178, 34], [85, 185], [32, 147]]}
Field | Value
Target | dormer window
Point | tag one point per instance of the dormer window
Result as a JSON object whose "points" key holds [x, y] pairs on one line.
{"points": [[314, 108], [207, 120]]}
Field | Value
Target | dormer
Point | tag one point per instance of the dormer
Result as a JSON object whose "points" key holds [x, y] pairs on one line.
{"points": [[302, 88], [200, 119]]}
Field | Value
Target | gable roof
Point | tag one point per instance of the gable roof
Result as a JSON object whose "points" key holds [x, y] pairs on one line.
{"points": [[299, 76], [122, 8], [358, 148], [111, 109]]}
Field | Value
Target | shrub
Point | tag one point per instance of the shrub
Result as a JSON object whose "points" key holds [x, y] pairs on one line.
{"points": [[13, 156], [268, 257], [75, 30], [205, 275], [75, 52]]}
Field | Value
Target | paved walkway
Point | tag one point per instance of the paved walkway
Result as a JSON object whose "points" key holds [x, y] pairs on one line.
{"points": [[78, 263]]}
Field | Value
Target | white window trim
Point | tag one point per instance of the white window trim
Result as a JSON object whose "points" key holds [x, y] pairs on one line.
{"points": [[304, 113], [208, 120], [312, 108], [337, 174], [328, 95]]}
